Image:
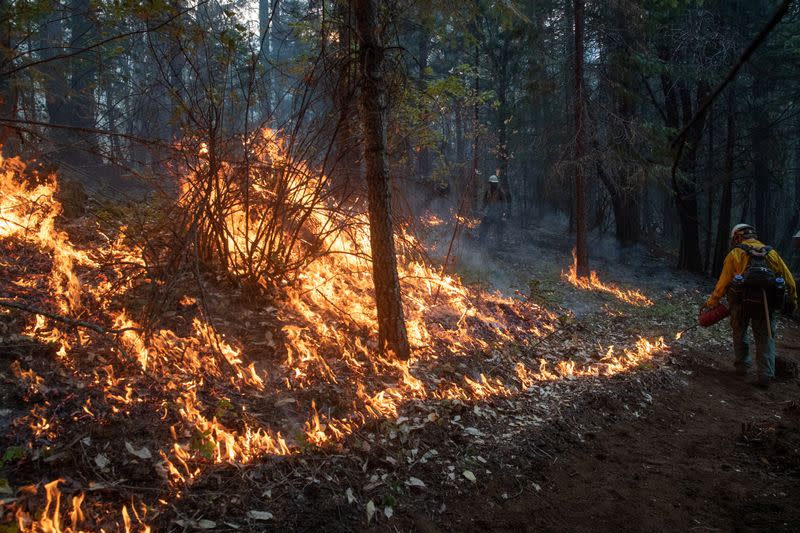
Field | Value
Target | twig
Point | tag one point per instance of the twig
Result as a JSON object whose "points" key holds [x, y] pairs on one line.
{"points": [[59, 318], [456, 228], [545, 337]]}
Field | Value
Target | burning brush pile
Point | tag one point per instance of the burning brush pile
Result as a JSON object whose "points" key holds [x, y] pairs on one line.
{"points": [[169, 401]]}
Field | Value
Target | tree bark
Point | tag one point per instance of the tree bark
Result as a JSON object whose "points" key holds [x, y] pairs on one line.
{"points": [[391, 325], [709, 179], [347, 139], [424, 156], [476, 137], [264, 31], [623, 185], [689, 256], [762, 184], [54, 80], [8, 92], [460, 177], [726, 203], [83, 77], [581, 252]]}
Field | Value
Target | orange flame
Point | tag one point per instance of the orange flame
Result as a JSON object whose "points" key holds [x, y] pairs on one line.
{"points": [[50, 520], [329, 326], [593, 283]]}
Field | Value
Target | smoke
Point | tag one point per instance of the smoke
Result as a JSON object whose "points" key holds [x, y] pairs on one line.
{"points": [[536, 254]]}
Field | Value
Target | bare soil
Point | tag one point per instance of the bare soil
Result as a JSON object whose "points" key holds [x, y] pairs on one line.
{"points": [[714, 454]]}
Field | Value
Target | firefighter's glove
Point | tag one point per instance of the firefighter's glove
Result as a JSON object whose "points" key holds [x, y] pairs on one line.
{"points": [[711, 303]]}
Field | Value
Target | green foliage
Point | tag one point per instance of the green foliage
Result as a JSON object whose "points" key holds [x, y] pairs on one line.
{"points": [[224, 407], [543, 293], [11, 455], [9, 528], [203, 443]]}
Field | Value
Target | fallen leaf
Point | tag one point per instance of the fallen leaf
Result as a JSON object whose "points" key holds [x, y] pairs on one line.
{"points": [[4, 487], [349, 494], [260, 515], [469, 475], [206, 524], [101, 460], [388, 511], [285, 401], [142, 453], [370, 511], [473, 431], [415, 482]]}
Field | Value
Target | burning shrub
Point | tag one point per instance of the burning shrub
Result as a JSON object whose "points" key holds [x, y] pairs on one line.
{"points": [[261, 218]]}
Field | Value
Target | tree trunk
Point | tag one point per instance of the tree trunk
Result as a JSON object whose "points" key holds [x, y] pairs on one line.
{"points": [[672, 120], [502, 87], [689, 257], [581, 252], [726, 203], [710, 179], [460, 177], [627, 219], [762, 183], [264, 27], [8, 90], [391, 325], [476, 136], [793, 226], [55, 86], [424, 156], [624, 187], [83, 77], [347, 138]]}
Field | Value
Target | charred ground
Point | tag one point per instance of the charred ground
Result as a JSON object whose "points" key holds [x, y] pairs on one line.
{"points": [[650, 446]]}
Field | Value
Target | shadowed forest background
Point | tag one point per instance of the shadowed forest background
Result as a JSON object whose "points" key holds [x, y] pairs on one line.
{"points": [[112, 94]]}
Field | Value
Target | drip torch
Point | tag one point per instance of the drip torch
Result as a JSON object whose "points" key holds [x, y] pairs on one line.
{"points": [[707, 318]]}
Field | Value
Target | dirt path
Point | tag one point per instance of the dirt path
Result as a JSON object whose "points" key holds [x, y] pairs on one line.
{"points": [[717, 454]]}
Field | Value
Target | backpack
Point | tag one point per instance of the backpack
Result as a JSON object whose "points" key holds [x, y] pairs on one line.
{"points": [[757, 282]]}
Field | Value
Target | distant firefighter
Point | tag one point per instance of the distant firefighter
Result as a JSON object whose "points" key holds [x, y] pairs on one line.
{"points": [[758, 283], [495, 208]]}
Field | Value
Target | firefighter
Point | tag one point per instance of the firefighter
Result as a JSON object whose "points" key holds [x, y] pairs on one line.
{"points": [[757, 283], [495, 205]]}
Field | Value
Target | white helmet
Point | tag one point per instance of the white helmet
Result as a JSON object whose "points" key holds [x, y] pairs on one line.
{"points": [[742, 230], [494, 179]]}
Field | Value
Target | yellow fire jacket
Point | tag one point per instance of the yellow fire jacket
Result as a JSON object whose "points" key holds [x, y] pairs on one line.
{"points": [[736, 263]]}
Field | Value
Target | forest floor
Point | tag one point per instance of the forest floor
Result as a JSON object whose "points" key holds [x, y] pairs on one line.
{"points": [[706, 451], [675, 442], [710, 453]]}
